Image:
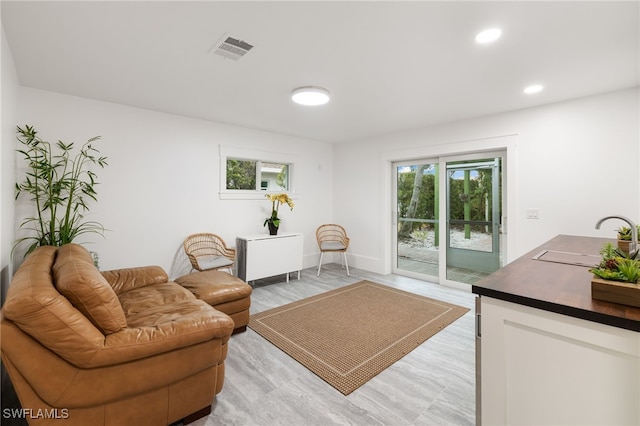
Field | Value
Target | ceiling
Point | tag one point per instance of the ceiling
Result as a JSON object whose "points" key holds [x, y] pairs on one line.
{"points": [[390, 66]]}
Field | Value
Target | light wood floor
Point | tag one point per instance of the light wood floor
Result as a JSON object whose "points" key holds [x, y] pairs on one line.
{"points": [[432, 385]]}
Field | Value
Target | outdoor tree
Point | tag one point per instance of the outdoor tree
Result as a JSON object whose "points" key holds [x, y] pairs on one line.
{"points": [[416, 198], [241, 174]]}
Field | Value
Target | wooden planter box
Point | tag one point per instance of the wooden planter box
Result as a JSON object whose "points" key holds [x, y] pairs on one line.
{"points": [[623, 245], [615, 291]]}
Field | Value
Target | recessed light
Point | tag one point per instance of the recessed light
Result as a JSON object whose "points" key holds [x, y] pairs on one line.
{"points": [[534, 88], [310, 95], [488, 36]]}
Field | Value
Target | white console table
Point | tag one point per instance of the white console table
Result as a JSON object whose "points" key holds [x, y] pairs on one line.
{"points": [[263, 255]]}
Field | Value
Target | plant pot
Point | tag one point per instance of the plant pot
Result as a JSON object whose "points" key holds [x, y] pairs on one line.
{"points": [[623, 246], [273, 229], [615, 291]]}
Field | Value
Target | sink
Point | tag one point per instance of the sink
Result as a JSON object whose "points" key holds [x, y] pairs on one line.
{"points": [[569, 258]]}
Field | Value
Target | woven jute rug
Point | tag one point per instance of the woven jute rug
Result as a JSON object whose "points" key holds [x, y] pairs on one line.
{"points": [[349, 335]]}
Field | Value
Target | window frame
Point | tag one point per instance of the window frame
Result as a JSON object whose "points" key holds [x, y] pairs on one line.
{"points": [[235, 153]]}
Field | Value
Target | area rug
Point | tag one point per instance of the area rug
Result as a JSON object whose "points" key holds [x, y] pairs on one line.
{"points": [[349, 335]]}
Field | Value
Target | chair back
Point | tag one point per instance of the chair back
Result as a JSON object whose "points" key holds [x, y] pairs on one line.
{"points": [[332, 237], [206, 245]]}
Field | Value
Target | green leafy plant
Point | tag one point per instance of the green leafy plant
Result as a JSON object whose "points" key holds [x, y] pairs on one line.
{"points": [[624, 233], [630, 269], [608, 251], [60, 185], [617, 266]]}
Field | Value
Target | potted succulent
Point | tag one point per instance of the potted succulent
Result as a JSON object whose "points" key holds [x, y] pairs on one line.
{"points": [[617, 277], [60, 184], [624, 237]]}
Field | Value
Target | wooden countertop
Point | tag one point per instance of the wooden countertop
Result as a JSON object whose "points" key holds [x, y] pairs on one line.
{"points": [[558, 287]]}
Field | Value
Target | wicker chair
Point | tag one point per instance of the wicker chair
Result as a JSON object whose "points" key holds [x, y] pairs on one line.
{"points": [[208, 252], [332, 238]]}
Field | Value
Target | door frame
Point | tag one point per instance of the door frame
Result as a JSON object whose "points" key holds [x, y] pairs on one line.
{"points": [[505, 143]]}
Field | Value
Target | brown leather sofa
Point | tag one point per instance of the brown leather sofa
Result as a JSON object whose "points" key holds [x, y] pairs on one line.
{"points": [[124, 347]]}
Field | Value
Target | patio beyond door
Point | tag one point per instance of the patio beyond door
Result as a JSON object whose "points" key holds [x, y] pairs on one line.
{"points": [[417, 235], [448, 218], [473, 219]]}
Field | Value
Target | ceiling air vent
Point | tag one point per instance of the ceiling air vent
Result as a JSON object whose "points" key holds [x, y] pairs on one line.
{"points": [[232, 48]]}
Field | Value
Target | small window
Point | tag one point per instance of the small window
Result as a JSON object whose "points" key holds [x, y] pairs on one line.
{"points": [[244, 174], [248, 174]]}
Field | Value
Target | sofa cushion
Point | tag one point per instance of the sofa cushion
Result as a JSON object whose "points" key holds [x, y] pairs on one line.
{"points": [[123, 280], [216, 287], [140, 300], [79, 280]]}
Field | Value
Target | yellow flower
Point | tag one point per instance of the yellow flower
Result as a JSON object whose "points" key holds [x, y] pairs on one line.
{"points": [[284, 199], [276, 200], [279, 199]]}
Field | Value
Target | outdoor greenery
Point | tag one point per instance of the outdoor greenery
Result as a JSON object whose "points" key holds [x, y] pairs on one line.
{"points": [[245, 174], [282, 178], [241, 174], [417, 198], [60, 184]]}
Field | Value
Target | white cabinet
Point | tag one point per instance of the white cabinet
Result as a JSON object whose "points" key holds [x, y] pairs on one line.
{"points": [[543, 368], [262, 255]]}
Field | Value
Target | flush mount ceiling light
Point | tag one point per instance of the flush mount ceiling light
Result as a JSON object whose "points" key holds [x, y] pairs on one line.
{"points": [[310, 95], [488, 36], [534, 88]]}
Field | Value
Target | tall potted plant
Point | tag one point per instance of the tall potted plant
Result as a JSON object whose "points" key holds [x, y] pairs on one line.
{"points": [[60, 184]]}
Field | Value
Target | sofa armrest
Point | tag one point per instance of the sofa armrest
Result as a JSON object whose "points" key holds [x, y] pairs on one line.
{"points": [[129, 278]]}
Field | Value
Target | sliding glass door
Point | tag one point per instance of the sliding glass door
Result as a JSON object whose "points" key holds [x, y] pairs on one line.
{"points": [[473, 219], [417, 241], [447, 223]]}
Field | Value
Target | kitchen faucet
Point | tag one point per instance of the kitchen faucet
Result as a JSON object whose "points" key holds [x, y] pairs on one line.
{"points": [[633, 246]]}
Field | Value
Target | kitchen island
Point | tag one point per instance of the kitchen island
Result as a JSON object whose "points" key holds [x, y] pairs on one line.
{"points": [[547, 352]]}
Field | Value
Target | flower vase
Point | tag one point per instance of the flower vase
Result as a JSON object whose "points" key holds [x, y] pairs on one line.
{"points": [[273, 229]]}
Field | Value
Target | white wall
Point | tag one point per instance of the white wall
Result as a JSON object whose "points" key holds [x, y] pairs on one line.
{"points": [[162, 181], [8, 92], [575, 161]]}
